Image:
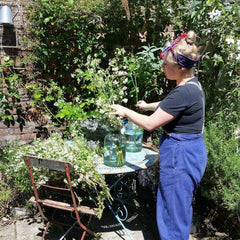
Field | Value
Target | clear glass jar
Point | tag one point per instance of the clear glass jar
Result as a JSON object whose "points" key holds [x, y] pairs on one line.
{"points": [[133, 135], [114, 150]]}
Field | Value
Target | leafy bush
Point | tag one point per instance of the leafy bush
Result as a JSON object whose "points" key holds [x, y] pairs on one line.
{"points": [[62, 34], [221, 181], [5, 198], [83, 158]]}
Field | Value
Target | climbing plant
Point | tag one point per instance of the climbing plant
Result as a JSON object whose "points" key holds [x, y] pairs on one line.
{"points": [[10, 84]]}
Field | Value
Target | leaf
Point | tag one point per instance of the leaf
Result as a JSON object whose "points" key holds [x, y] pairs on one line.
{"points": [[37, 96], [60, 115], [146, 48], [46, 20]]}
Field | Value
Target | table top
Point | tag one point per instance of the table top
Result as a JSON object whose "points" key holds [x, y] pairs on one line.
{"points": [[134, 162]]}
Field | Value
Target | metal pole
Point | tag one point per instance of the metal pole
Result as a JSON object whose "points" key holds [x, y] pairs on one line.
{"points": [[119, 220]]}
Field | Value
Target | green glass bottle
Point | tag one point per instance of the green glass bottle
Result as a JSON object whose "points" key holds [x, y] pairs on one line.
{"points": [[114, 150], [133, 135]]}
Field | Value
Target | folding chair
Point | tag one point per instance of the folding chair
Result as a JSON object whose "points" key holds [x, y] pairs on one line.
{"points": [[45, 203]]}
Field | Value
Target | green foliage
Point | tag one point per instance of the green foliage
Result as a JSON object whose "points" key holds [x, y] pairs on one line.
{"points": [[62, 35], [13, 168], [5, 198], [217, 24], [75, 151], [226, 113], [10, 82], [70, 112], [221, 181], [149, 74], [222, 178]]}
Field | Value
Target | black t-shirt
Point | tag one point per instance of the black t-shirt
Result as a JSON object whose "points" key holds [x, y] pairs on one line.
{"points": [[186, 103]]}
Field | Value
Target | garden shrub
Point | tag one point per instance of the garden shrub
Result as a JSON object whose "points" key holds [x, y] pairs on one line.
{"points": [[221, 181], [62, 34], [14, 174], [76, 151], [5, 198]]}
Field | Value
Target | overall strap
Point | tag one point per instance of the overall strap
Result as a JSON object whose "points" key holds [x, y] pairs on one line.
{"points": [[198, 84]]}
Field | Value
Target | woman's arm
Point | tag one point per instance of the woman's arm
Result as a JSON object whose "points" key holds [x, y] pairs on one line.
{"points": [[155, 120], [142, 105]]}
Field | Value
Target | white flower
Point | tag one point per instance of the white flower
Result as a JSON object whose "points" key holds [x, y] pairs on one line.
{"points": [[230, 73], [121, 73], [99, 102], [125, 100], [125, 80], [218, 13], [170, 10], [211, 15], [237, 133], [208, 31], [6, 58], [121, 93], [124, 88], [238, 56], [215, 14], [238, 44], [102, 111], [115, 82], [115, 69], [230, 40], [230, 56]]}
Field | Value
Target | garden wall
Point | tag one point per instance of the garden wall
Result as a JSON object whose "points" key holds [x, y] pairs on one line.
{"points": [[25, 126]]}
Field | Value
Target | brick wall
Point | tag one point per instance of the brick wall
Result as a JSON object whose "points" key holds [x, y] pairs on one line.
{"points": [[26, 125]]}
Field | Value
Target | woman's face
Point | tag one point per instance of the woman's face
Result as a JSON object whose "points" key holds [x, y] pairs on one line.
{"points": [[170, 68]]}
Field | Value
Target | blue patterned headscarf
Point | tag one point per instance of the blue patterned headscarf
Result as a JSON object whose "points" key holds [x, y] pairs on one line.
{"points": [[182, 60]]}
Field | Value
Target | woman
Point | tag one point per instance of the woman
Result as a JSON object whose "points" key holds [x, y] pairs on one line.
{"points": [[182, 151]]}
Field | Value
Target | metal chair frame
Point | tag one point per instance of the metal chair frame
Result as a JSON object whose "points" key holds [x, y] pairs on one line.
{"points": [[33, 161]]}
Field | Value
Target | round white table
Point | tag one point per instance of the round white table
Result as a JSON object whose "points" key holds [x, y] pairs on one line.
{"points": [[134, 162]]}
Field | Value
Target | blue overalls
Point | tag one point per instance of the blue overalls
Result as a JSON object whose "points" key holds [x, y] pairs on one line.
{"points": [[182, 159]]}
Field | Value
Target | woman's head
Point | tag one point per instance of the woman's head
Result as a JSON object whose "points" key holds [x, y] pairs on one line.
{"points": [[182, 51]]}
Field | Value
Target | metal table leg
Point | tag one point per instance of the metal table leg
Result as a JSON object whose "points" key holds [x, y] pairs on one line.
{"points": [[119, 220], [113, 186]]}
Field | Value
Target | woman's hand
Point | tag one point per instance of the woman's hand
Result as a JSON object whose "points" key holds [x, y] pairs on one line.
{"points": [[142, 105], [119, 110]]}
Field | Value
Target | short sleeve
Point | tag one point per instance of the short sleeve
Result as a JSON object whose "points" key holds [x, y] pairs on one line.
{"points": [[175, 102]]}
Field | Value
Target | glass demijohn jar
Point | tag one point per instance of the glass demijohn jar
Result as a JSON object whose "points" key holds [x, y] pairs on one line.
{"points": [[114, 150], [133, 135]]}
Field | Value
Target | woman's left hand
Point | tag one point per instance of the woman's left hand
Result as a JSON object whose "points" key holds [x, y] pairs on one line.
{"points": [[119, 110]]}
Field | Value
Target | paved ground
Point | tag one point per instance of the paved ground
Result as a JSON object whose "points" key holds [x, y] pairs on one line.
{"points": [[141, 226], [29, 229], [32, 228]]}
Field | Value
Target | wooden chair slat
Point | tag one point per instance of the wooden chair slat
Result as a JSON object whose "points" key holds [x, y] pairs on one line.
{"points": [[48, 163]]}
